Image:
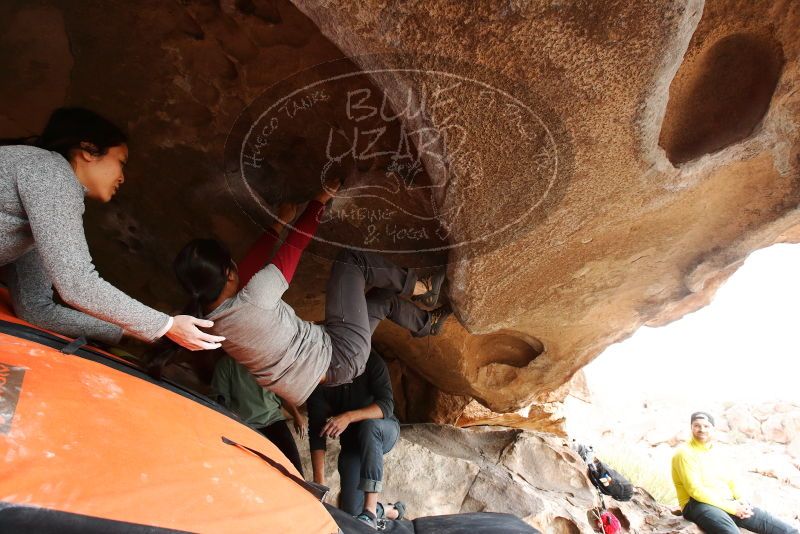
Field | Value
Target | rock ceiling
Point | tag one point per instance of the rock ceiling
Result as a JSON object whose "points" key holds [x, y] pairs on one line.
{"points": [[582, 170]]}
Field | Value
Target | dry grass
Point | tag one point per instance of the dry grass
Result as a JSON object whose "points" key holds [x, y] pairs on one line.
{"points": [[641, 470]]}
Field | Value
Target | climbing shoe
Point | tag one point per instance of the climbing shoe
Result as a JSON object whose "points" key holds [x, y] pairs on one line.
{"points": [[439, 316], [369, 518], [433, 288]]}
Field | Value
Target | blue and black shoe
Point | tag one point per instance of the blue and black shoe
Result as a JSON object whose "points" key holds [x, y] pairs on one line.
{"points": [[368, 518]]}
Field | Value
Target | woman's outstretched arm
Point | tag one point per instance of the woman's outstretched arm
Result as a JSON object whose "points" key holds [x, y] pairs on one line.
{"points": [[32, 297], [288, 255], [53, 202], [259, 253]]}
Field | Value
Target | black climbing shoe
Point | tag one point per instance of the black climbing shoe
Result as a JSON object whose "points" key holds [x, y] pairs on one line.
{"points": [[433, 286], [369, 518], [439, 316]]}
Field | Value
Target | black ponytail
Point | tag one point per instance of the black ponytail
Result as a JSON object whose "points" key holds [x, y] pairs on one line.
{"points": [[71, 129], [202, 268]]}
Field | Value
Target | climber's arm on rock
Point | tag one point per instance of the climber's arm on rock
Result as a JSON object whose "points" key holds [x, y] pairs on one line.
{"points": [[259, 253], [288, 254]]}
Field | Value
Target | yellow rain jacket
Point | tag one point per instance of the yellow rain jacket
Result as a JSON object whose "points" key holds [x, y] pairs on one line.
{"points": [[699, 472]]}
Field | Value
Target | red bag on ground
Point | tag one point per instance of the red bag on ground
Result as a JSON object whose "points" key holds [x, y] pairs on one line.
{"points": [[609, 523]]}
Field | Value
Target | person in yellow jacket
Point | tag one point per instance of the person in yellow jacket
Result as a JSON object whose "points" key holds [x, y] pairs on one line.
{"points": [[707, 490]]}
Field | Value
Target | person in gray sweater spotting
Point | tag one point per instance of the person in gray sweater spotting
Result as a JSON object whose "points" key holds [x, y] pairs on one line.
{"points": [[42, 242]]}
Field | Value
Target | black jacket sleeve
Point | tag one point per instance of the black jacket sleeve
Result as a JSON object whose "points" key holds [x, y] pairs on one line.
{"points": [[380, 385], [318, 411]]}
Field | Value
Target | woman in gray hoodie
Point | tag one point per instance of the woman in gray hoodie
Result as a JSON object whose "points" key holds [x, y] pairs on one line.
{"points": [[43, 245]]}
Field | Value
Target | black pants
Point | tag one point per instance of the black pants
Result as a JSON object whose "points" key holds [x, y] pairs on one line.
{"points": [[713, 520], [280, 435], [351, 315], [361, 460]]}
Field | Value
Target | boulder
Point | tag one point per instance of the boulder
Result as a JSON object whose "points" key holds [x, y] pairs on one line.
{"points": [[791, 424], [763, 411], [794, 451], [740, 419], [545, 417], [669, 156], [589, 168], [772, 429], [439, 469]]}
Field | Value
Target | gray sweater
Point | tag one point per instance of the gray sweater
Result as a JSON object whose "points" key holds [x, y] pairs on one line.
{"points": [[42, 244], [284, 353]]}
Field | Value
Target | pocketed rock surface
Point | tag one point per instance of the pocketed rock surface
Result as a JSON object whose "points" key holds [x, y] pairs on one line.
{"points": [[620, 164], [438, 469]]}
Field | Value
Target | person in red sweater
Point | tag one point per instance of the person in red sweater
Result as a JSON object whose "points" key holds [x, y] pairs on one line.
{"points": [[287, 355]]}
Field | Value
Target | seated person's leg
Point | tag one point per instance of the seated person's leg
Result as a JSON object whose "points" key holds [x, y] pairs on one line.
{"points": [[376, 437], [280, 435], [763, 523], [351, 499], [710, 519]]}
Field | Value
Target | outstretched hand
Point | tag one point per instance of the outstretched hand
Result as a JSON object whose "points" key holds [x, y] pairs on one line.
{"points": [[329, 189], [286, 212], [185, 332], [285, 215]]}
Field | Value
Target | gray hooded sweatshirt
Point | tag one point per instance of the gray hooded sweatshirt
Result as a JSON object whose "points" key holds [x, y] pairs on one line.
{"points": [[43, 245]]}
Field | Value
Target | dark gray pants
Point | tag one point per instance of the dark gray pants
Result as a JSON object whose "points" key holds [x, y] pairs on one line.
{"points": [[713, 520], [361, 460], [351, 315]]}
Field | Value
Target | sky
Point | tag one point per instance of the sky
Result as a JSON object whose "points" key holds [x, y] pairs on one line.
{"points": [[743, 347]]}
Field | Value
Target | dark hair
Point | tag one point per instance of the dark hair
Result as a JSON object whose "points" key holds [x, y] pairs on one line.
{"points": [[70, 129], [202, 268], [703, 415]]}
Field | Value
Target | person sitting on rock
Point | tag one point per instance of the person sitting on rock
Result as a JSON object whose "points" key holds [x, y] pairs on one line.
{"points": [[361, 415], [707, 492], [236, 389]]}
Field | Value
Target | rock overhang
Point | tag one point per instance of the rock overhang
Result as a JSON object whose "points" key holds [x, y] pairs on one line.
{"points": [[666, 180]]}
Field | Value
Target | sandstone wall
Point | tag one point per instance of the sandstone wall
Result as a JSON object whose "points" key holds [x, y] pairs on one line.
{"points": [[442, 470], [677, 123], [660, 148]]}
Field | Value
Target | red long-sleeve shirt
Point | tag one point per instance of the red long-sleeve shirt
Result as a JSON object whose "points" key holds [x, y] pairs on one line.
{"points": [[288, 255], [285, 354]]}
